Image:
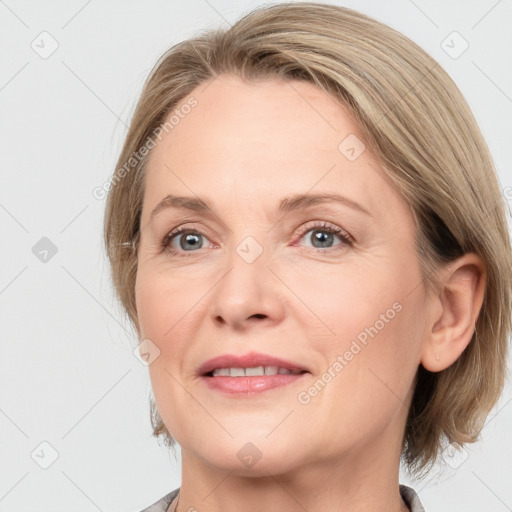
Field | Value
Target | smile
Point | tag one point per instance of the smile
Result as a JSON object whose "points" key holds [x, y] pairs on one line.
{"points": [[249, 374], [254, 371]]}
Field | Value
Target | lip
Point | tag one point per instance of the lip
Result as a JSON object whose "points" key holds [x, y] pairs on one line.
{"points": [[245, 361], [249, 385]]}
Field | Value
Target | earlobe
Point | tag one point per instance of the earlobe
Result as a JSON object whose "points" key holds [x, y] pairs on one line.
{"points": [[460, 299]]}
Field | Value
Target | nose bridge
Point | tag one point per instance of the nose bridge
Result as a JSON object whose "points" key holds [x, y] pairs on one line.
{"points": [[246, 263], [249, 238], [246, 288]]}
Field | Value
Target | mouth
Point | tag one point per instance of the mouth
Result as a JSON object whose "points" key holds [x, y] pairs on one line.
{"points": [[252, 371], [249, 374]]}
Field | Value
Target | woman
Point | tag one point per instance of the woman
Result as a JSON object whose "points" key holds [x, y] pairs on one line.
{"points": [[306, 230]]}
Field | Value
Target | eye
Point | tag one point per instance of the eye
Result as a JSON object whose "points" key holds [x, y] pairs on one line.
{"points": [[323, 235], [320, 235], [183, 239]]}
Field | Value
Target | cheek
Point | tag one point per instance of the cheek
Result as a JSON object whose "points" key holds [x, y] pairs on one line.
{"points": [[151, 301], [375, 328], [166, 303], [341, 303], [165, 309], [366, 384], [380, 353]]}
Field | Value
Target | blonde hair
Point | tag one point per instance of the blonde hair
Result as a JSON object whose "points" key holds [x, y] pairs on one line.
{"points": [[417, 123]]}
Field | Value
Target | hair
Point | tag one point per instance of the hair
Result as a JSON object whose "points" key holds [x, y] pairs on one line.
{"points": [[421, 129]]}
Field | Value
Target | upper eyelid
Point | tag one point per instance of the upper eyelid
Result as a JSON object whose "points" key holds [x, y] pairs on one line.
{"points": [[321, 224], [306, 226]]}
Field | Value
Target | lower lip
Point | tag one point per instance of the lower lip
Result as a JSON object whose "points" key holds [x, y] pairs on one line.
{"points": [[250, 385]]}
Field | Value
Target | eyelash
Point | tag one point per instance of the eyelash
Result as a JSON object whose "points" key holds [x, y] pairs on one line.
{"points": [[346, 239]]}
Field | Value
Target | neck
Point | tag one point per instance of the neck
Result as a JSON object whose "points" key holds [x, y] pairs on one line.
{"points": [[366, 479]]}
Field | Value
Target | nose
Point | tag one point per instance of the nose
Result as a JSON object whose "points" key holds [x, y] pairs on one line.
{"points": [[248, 293]]}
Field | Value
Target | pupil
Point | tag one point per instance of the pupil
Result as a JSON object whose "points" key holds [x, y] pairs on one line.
{"points": [[323, 238], [189, 238]]}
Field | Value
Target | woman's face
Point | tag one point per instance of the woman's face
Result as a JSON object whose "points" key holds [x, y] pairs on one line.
{"points": [[277, 273]]}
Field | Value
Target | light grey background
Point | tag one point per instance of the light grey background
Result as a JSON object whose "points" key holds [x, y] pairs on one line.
{"points": [[67, 373]]}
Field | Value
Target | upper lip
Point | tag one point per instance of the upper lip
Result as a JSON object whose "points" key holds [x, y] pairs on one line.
{"points": [[249, 360]]}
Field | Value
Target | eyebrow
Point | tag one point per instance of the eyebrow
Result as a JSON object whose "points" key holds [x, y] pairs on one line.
{"points": [[286, 205]]}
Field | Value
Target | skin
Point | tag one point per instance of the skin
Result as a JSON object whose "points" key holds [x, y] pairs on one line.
{"points": [[244, 147]]}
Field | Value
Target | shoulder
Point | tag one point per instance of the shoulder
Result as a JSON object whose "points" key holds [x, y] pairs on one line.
{"points": [[163, 503], [411, 498]]}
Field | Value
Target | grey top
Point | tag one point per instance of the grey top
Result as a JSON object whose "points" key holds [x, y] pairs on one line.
{"points": [[408, 494]]}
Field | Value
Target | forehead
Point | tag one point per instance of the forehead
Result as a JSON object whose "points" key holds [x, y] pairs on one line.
{"points": [[260, 141], [275, 113]]}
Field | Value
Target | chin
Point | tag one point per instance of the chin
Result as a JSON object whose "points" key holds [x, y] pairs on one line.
{"points": [[251, 454]]}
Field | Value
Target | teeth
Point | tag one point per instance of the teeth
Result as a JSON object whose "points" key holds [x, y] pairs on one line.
{"points": [[223, 372], [271, 370], [236, 372], [257, 371]]}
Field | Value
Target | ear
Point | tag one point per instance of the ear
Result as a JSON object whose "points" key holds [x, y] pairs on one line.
{"points": [[457, 306]]}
